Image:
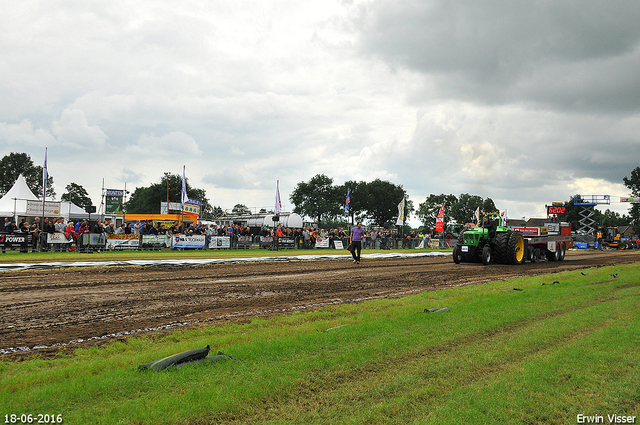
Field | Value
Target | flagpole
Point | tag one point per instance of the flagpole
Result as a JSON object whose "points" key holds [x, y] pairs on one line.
{"points": [[404, 215], [45, 175]]}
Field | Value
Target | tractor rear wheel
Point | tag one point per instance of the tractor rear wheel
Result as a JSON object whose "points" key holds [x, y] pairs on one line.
{"points": [[515, 248], [501, 248], [448, 238]]}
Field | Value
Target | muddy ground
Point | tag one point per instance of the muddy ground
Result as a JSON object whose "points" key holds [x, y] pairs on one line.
{"points": [[52, 310]]}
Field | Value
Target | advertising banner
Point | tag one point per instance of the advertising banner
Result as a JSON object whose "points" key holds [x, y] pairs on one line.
{"points": [[113, 201], [13, 241], [92, 240], [123, 241], [434, 243], [322, 243], [156, 241], [194, 242], [51, 209], [192, 206], [219, 242], [291, 243], [58, 238]]}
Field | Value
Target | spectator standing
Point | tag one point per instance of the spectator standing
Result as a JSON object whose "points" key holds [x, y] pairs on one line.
{"points": [[355, 240], [306, 235]]}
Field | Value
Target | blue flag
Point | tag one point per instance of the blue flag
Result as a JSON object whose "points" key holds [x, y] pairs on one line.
{"points": [[346, 205]]}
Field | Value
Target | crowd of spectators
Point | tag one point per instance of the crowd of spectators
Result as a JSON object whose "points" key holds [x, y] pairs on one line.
{"points": [[305, 237]]}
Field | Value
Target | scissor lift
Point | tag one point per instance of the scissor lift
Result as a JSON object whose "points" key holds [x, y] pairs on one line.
{"points": [[588, 203]]}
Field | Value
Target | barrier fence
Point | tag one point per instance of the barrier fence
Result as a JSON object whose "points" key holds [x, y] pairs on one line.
{"points": [[101, 241]]}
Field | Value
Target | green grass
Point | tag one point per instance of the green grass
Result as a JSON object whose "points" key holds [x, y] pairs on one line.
{"points": [[541, 355]]}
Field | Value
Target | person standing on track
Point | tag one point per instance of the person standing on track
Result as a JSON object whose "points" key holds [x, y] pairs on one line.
{"points": [[355, 240]]}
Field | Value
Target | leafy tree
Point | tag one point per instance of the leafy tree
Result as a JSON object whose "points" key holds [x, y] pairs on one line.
{"points": [[383, 198], [77, 194], [318, 198], [359, 194], [613, 219], [461, 209], [633, 184], [146, 200], [14, 164], [215, 212], [464, 210], [240, 209], [429, 209]]}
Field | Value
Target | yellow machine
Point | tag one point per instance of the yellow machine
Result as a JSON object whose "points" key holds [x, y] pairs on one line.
{"points": [[611, 238]]}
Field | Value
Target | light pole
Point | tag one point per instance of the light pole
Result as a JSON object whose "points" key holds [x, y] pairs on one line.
{"points": [[167, 175]]}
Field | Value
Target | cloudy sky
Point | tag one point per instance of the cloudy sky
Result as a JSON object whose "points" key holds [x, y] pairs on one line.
{"points": [[526, 102]]}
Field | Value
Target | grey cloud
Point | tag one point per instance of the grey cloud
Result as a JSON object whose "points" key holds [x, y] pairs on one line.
{"points": [[559, 53], [226, 179]]}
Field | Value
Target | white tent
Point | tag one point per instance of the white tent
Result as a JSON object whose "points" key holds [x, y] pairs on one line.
{"points": [[14, 203], [15, 200]]}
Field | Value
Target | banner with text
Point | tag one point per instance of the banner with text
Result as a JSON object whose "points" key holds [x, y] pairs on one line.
{"points": [[193, 242], [156, 241], [123, 241], [51, 209], [219, 242], [113, 201], [58, 238]]}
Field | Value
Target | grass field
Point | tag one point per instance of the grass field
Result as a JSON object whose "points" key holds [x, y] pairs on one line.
{"points": [[541, 354]]}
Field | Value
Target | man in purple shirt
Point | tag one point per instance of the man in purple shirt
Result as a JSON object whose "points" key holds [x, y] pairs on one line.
{"points": [[355, 240]]}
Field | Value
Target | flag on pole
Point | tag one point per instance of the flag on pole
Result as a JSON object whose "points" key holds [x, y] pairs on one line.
{"points": [[478, 216], [440, 220], [278, 201], [504, 218], [44, 176], [346, 204], [185, 198], [400, 219]]}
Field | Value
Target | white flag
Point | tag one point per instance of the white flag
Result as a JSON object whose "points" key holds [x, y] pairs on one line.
{"points": [[504, 218], [478, 216], [185, 198], [278, 202], [400, 219], [45, 175]]}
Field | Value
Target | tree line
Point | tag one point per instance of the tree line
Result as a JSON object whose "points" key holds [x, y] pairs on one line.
{"points": [[374, 202]]}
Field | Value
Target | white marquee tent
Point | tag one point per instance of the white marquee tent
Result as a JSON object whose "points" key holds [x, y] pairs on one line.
{"points": [[14, 203]]}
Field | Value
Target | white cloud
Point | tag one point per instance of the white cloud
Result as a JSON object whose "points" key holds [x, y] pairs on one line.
{"points": [[24, 135], [175, 145], [73, 131]]}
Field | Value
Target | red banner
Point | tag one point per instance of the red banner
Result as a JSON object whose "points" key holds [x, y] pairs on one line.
{"points": [[440, 220]]}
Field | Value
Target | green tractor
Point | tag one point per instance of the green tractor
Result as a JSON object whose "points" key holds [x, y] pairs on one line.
{"points": [[490, 242]]}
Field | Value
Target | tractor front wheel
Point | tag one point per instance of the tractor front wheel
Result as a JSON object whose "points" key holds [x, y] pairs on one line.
{"points": [[486, 255], [457, 254]]}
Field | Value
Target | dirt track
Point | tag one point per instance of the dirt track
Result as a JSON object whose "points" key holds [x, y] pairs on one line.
{"points": [[45, 308]]}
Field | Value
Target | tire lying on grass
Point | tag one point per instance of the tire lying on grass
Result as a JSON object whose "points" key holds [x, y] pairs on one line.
{"points": [[197, 355]]}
